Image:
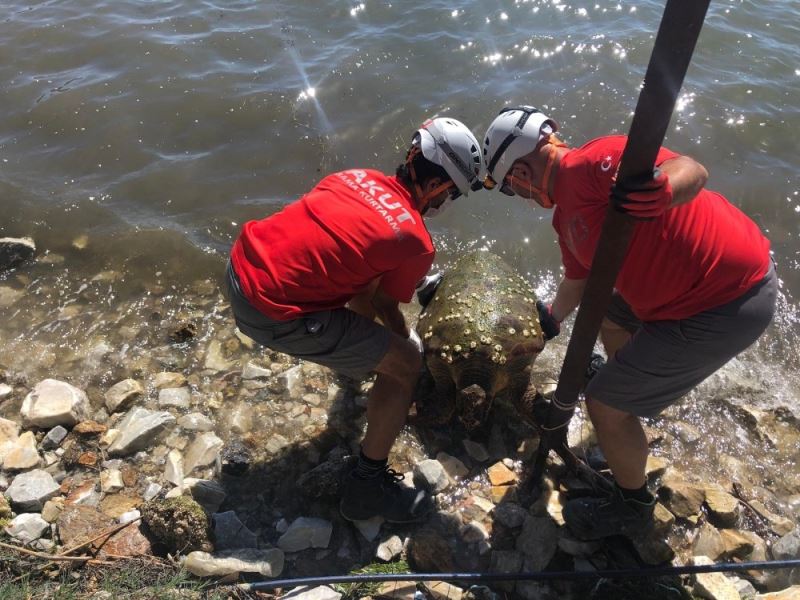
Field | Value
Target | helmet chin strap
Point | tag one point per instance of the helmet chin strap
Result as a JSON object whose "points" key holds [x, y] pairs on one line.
{"points": [[423, 200], [544, 196]]}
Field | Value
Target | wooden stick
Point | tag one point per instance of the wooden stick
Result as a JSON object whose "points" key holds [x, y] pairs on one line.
{"points": [[109, 533], [22, 550]]}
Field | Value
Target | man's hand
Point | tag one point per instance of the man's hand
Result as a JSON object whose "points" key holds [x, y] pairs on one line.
{"points": [[643, 197], [551, 327]]}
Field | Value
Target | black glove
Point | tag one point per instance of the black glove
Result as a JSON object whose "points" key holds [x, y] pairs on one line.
{"points": [[426, 288], [643, 197], [550, 326]]}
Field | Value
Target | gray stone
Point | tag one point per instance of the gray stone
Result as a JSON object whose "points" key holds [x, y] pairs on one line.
{"points": [[5, 391], [52, 403], [29, 491], [452, 466], [291, 381], [321, 592], [538, 541], [714, 586], [202, 452], [745, 588], [306, 532], [268, 563], [54, 438], [27, 527], [230, 533], [369, 528], [139, 429], [389, 549], [708, 542], [510, 514], [476, 451], [209, 494], [788, 546], [168, 380], [173, 469], [431, 475], [195, 422], [174, 397], [120, 395], [15, 251]]}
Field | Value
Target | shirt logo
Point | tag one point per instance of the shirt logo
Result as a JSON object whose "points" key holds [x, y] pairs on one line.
{"points": [[377, 197], [605, 166]]}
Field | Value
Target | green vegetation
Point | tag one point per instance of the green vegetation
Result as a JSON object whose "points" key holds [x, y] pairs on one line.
{"points": [[352, 591]]}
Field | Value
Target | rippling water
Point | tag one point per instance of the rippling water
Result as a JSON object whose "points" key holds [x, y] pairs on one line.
{"points": [[136, 137]]}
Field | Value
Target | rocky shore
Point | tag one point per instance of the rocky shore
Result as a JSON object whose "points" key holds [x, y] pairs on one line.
{"points": [[147, 425]]}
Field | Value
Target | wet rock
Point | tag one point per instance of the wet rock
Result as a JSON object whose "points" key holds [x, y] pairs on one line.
{"points": [[683, 499], [182, 331], [29, 491], [254, 371], [736, 544], [663, 520], [714, 586], [652, 549], [15, 251], [209, 494], [230, 533], [792, 593], [235, 458], [195, 422], [180, 524], [240, 419], [52, 403], [708, 542], [428, 551], [780, 525], [475, 450], [722, 507], [291, 382], [215, 359], [389, 549], [430, 474], [122, 394], [202, 452], [22, 454], [538, 541], [168, 379], [139, 429], [321, 592], [473, 532], [306, 532], [501, 475], [268, 563], [454, 468], [655, 466], [54, 438], [27, 527], [576, 547], [510, 514], [88, 429], [174, 397]]}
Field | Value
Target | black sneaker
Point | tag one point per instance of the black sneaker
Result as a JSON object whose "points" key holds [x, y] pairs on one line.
{"points": [[595, 518], [382, 495]]}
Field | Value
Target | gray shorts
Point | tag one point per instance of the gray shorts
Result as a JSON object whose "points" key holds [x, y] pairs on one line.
{"points": [[664, 360], [340, 339]]}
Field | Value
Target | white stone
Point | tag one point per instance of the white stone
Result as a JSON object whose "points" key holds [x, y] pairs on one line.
{"points": [[129, 516], [120, 395], [151, 491], [138, 430], [268, 563], [389, 549], [174, 398], [173, 469], [431, 474], [27, 527], [291, 381], [5, 391], [321, 592], [52, 403], [111, 481], [214, 358], [202, 452], [306, 532], [168, 380], [22, 454]]}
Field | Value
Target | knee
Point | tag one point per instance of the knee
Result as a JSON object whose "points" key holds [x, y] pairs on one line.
{"points": [[605, 415]]}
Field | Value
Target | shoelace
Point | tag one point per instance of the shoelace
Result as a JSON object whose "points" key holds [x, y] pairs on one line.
{"points": [[392, 476]]}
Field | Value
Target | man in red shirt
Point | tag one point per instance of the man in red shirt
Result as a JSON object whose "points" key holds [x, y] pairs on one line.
{"points": [[696, 288], [310, 280]]}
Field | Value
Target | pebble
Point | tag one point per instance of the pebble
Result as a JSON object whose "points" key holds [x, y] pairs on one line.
{"points": [[306, 532], [195, 422], [27, 527], [54, 438], [29, 491], [53, 402], [120, 395]]}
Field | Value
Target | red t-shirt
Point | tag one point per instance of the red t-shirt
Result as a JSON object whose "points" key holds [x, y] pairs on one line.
{"points": [[320, 251], [694, 257]]}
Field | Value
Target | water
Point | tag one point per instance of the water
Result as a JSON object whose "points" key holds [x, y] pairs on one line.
{"points": [[137, 137]]}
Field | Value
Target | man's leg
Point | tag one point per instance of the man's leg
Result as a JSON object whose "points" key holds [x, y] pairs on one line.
{"points": [[613, 336], [622, 441]]}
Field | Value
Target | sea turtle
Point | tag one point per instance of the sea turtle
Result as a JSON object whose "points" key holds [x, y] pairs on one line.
{"points": [[481, 334]]}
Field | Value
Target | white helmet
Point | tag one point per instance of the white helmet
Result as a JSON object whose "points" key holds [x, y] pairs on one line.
{"points": [[451, 145], [515, 132]]}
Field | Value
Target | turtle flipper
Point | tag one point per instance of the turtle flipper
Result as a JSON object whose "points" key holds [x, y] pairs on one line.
{"points": [[475, 404]]}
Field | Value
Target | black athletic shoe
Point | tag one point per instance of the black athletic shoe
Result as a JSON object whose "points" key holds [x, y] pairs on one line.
{"points": [[382, 495], [595, 518]]}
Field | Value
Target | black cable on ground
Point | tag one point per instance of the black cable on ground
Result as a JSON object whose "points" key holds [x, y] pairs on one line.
{"points": [[528, 576]]}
